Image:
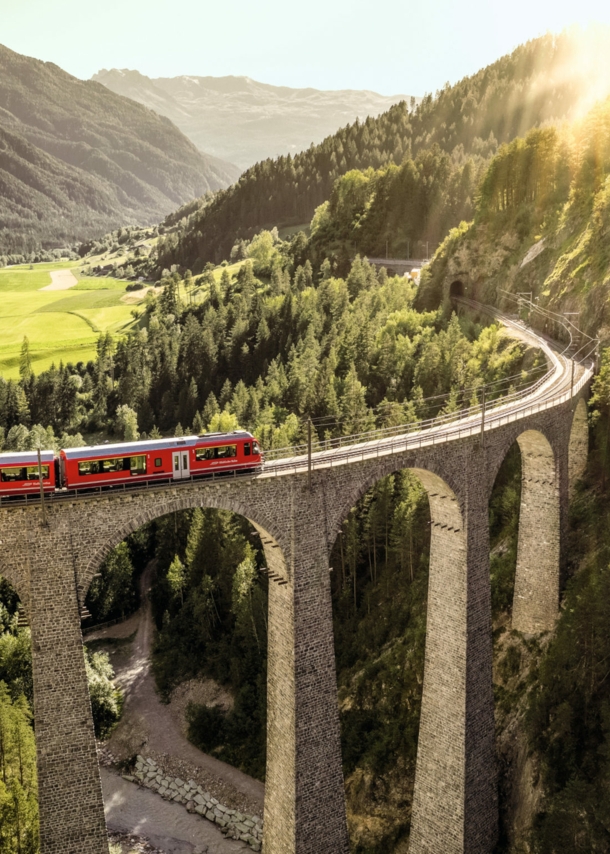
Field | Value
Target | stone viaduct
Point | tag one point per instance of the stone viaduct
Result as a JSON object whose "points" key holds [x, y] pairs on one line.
{"points": [[298, 515]]}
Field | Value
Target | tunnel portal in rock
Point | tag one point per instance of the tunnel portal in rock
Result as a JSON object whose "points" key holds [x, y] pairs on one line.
{"points": [[456, 289]]}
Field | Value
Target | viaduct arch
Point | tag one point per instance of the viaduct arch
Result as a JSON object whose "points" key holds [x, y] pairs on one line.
{"points": [[454, 808]]}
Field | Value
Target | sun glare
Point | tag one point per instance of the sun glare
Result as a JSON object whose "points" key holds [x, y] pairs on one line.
{"points": [[583, 64]]}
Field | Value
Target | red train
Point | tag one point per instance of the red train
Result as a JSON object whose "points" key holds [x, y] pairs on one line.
{"points": [[129, 462]]}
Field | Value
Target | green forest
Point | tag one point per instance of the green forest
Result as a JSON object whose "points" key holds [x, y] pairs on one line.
{"points": [[303, 328]]}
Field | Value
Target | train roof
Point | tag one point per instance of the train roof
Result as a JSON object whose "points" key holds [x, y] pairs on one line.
{"points": [[150, 445], [26, 458]]}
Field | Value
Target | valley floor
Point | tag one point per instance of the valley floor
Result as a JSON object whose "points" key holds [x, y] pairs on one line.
{"points": [[154, 729], [167, 826], [60, 311]]}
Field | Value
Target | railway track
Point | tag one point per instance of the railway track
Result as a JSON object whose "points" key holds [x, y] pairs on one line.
{"points": [[568, 371]]}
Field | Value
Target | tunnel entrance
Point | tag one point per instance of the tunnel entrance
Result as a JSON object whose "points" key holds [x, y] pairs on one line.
{"points": [[456, 290]]}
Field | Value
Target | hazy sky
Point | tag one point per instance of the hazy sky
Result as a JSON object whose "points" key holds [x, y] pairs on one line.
{"points": [[391, 46]]}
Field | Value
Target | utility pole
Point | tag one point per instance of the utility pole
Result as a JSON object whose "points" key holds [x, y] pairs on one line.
{"points": [[596, 365], [43, 509], [309, 453], [483, 417]]}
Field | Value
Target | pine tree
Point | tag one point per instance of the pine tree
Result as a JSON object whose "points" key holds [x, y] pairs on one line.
{"points": [[18, 787], [127, 423], [226, 393], [210, 409], [176, 578], [25, 361]]}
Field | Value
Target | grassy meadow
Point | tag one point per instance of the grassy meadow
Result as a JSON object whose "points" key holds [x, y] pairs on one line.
{"points": [[61, 325]]}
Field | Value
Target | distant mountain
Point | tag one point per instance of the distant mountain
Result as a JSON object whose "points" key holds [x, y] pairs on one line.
{"points": [[245, 121], [77, 159]]}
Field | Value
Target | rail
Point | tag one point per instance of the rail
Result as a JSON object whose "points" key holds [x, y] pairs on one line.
{"points": [[557, 385], [484, 409]]}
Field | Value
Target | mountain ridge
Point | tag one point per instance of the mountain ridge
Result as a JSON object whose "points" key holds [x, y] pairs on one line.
{"points": [[113, 161], [243, 120]]}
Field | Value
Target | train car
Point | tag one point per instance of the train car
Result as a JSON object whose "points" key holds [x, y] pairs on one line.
{"points": [[159, 459], [19, 474]]}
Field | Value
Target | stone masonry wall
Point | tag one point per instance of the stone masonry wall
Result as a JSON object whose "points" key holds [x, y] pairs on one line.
{"points": [[439, 795], [579, 444], [232, 823], [280, 786], [455, 808], [69, 789], [536, 594]]}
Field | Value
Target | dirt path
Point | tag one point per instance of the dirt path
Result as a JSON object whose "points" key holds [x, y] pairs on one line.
{"points": [[168, 826], [136, 296], [149, 728], [61, 280]]}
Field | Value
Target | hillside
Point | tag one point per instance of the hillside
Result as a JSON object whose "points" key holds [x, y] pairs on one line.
{"points": [[242, 120], [77, 160], [541, 225], [546, 80]]}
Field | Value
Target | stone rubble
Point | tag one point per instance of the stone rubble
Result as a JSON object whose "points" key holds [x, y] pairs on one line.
{"points": [[133, 843], [234, 824]]}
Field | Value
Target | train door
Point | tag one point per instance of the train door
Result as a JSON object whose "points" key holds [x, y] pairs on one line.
{"points": [[182, 467]]}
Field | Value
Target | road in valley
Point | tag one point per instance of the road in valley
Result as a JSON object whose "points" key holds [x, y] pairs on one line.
{"points": [[61, 280]]}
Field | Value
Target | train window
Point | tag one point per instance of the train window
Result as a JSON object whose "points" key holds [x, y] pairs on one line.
{"points": [[117, 464], [114, 464], [158, 462], [27, 473], [33, 472], [13, 474], [138, 465], [220, 452], [246, 449], [227, 451], [256, 448]]}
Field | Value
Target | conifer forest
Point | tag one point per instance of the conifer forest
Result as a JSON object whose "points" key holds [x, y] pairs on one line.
{"points": [[254, 306]]}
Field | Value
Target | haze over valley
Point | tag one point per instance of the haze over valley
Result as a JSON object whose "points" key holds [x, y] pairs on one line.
{"points": [[243, 120], [77, 159]]}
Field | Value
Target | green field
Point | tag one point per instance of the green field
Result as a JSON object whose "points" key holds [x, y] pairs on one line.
{"points": [[60, 325]]}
